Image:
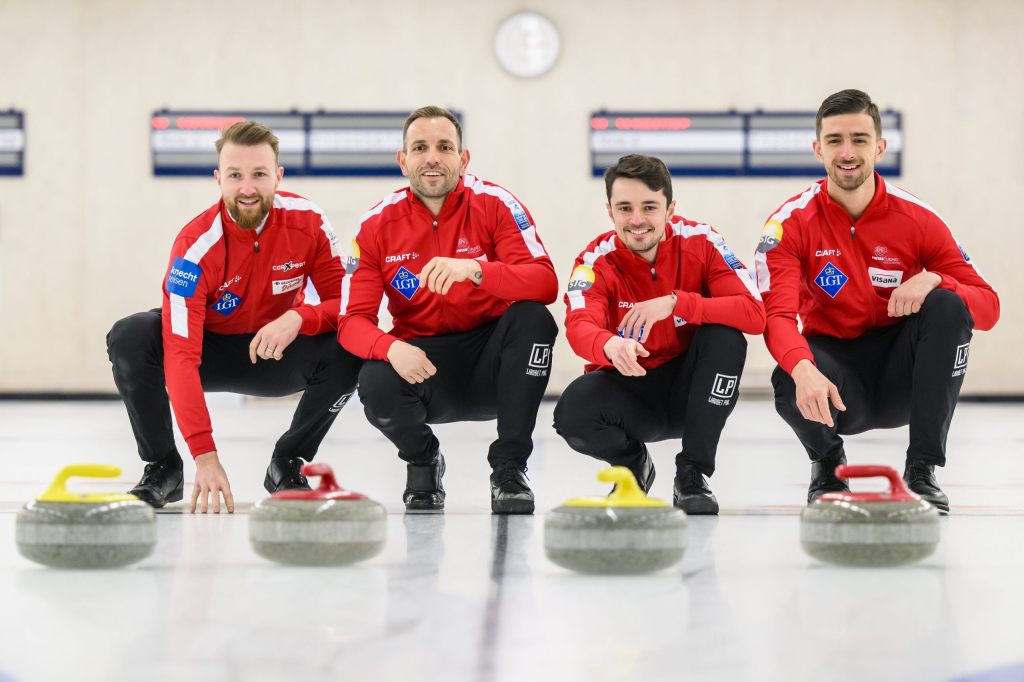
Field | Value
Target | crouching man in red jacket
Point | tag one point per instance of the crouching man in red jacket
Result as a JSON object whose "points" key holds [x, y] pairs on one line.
{"points": [[656, 307], [466, 279], [235, 318]]}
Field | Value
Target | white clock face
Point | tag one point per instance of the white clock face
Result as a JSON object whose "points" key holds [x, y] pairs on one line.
{"points": [[527, 44]]}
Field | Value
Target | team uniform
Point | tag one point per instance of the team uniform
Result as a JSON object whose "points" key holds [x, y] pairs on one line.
{"points": [[222, 285], [837, 275], [696, 355], [491, 343]]}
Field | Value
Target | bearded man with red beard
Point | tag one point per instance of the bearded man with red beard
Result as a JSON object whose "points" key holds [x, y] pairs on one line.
{"points": [[886, 299], [237, 316]]}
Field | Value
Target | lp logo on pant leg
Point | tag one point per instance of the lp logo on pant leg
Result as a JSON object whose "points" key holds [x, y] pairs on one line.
{"points": [[723, 389], [540, 360], [960, 363]]}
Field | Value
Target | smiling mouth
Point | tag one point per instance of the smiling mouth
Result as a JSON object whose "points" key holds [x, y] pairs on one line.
{"points": [[848, 167], [249, 203], [639, 231]]}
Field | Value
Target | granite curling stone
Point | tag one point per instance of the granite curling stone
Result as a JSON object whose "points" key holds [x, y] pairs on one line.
{"points": [[328, 526], [65, 529], [623, 533], [870, 529]]}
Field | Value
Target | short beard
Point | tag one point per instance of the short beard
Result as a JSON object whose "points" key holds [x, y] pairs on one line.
{"points": [[248, 219], [850, 184]]}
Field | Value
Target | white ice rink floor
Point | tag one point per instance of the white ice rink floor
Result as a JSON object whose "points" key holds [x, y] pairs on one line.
{"points": [[468, 596]]}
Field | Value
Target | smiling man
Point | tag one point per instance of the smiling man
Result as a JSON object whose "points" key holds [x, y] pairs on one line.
{"points": [[235, 318], [656, 306], [466, 279], [887, 299]]}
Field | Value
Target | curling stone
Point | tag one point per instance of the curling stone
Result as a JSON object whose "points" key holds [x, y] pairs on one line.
{"points": [[327, 526], [97, 530], [870, 529], [625, 532]]}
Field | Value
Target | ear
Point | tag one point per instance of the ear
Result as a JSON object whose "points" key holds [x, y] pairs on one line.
{"points": [[400, 156], [464, 159], [816, 146], [280, 174], [883, 144], [609, 207], [671, 210], [216, 176]]}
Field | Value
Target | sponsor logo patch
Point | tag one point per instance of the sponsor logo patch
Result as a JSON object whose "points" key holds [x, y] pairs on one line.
{"points": [[281, 286], [771, 235], [886, 279], [820, 253], [339, 403], [540, 360], [831, 279], [233, 280], [881, 254], [351, 263], [471, 251], [963, 252], [226, 304], [290, 265], [678, 321], [960, 361], [730, 258], [582, 278], [519, 214], [723, 389], [401, 257], [405, 283], [183, 277]]}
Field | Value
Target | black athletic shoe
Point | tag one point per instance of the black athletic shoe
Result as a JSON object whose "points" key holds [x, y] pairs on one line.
{"points": [[920, 478], [824, 479], [285, 473], [691, 493], [510, 493], [162, 482], [423, 489]]}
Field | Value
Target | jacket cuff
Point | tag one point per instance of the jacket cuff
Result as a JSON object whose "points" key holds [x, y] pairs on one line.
{"points": [[794, 356], [200, 443]]}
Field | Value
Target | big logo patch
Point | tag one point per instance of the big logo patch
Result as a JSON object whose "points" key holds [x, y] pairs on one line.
{"points": [[227, 303]]}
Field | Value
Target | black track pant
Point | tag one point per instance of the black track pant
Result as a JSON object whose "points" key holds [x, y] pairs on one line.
{"points": [[498, 370], [611, 417], [316, 365], [909, 373]]}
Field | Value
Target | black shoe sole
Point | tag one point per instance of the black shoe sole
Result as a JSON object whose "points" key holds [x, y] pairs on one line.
{"points": [[698, 505], [512, 507], [157, 503]]}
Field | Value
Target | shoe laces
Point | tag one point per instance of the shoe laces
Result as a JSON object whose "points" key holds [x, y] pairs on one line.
{"points": [[509, 475], [152, 470], [692, 479]]}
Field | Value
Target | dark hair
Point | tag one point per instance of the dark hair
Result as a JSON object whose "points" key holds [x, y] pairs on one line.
{"points": [[649, 170], [848, 102], [433, 112], [248, 134]]}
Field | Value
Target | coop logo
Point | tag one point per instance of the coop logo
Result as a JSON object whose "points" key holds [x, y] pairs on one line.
{"points": [[227, 304], [831, 279], [885, 279], [519, 214], [723, 389], [183, 277], [290, 265], [960, 361], [582, 278], [827, 252], [540, 360], [401, 257], [405, 283]]}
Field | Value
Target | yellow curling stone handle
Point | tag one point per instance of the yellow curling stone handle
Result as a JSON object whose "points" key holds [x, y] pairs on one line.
{"points": [[58, 491], [626, 494]]}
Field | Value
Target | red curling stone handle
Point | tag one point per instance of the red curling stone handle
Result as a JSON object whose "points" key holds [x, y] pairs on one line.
{"points": [[328, 484], [896, 484]]}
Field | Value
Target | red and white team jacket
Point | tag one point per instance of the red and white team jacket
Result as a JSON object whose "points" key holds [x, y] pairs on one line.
{"points": [[399, 236], [711, 285], [232, 281], [837, 274]]}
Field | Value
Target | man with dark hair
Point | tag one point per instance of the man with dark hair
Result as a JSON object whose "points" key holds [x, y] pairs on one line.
{"points": [[887, 299], [656, 306], [235, 317], [466, 279]]}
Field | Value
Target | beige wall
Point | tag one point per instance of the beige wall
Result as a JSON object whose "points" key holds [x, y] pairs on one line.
{"points": [[84, 235]]}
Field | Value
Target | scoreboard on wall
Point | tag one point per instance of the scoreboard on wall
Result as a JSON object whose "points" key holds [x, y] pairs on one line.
{"points": [[12, 142], [723, 143], [311, 143]]}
